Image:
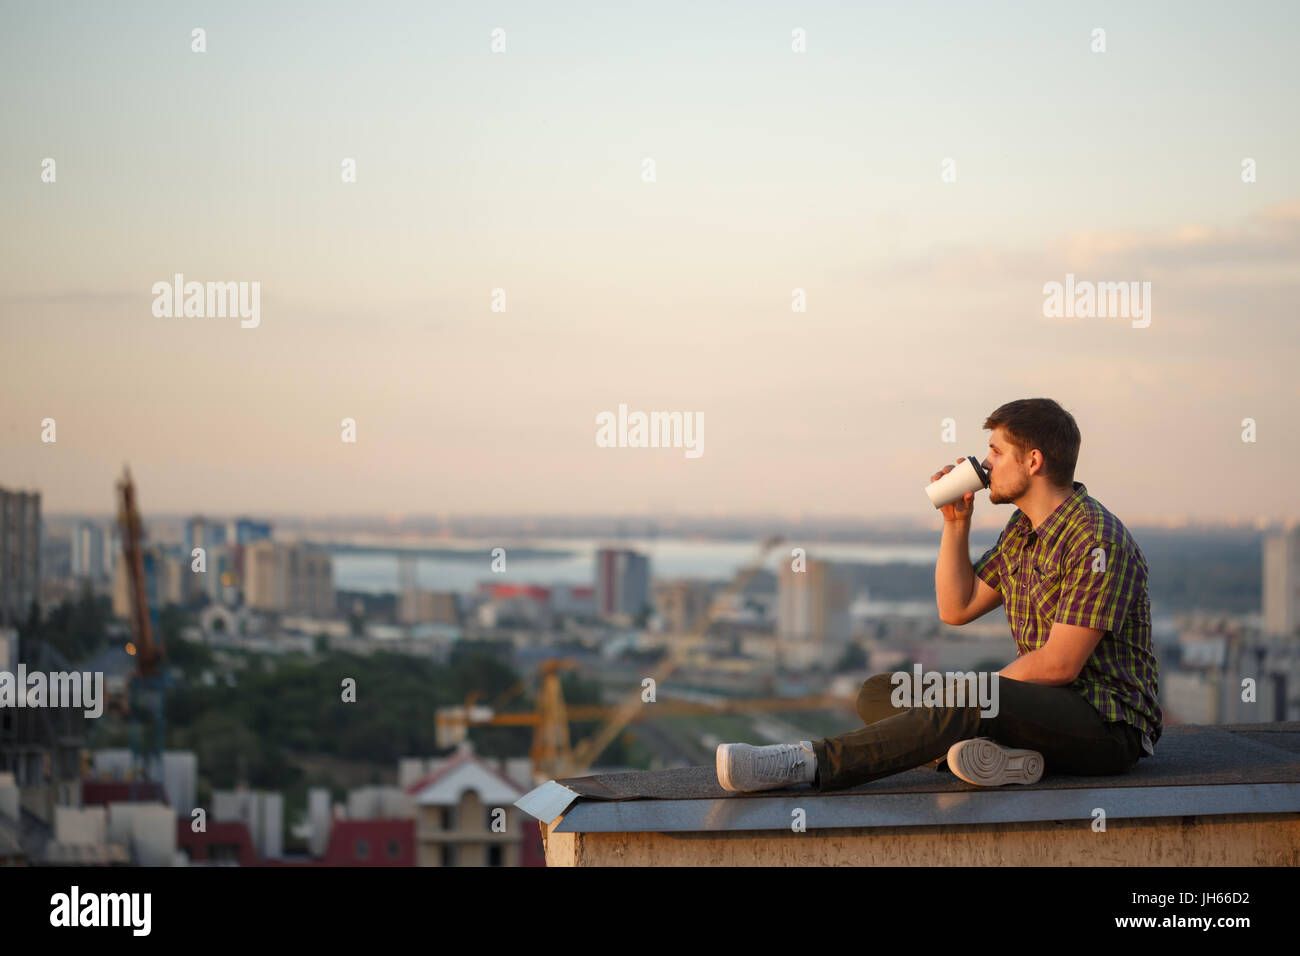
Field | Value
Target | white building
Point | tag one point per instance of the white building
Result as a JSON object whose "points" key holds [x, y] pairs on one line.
{"points": [[813, 620], [288, 578], [263, 814], [464, 808], [87, 551], [1282, 583]]}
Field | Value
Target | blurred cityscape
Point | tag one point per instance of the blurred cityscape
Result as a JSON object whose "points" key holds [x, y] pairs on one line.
{"points": [[380, 691]]}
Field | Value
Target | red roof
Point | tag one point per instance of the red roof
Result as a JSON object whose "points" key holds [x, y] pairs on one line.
{"points": [[96, 793], [230, 834], [465, 756], [386, 843], [539, 594]]}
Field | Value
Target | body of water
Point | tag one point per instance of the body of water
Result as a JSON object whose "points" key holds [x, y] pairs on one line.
{"points": [[377, 572]]}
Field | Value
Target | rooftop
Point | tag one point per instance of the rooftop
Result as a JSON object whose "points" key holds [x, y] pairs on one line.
{"points": [[1245, 776]]}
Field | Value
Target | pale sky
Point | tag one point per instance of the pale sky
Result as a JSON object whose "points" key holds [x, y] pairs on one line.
{"points": [[523, 171]]}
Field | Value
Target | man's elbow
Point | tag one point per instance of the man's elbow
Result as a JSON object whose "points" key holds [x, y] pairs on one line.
{"points": [[953, 620], [1065, 672]]}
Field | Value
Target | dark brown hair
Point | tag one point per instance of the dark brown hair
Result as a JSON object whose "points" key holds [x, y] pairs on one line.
{"points": [[1030, 423]]}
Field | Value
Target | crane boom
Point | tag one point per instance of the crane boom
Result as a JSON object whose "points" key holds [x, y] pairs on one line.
{"points": [[128, 518]]}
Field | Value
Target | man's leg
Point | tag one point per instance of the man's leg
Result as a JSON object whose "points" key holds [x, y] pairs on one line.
{"points": [[895, 739], [1055, 721], [874, 704], [1062, 726]]}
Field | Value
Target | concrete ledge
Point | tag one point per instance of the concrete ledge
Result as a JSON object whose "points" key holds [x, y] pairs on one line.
{"points": [[822, 811], [1227, 796], [1233, 840]]}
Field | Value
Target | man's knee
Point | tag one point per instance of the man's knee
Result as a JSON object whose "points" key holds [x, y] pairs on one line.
{"points": [[875, 692]]}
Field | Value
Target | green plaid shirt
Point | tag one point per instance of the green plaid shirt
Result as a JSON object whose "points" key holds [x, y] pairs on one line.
{"points": [[1051, 574]]}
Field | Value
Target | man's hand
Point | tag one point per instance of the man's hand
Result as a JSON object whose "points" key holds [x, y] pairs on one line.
{"points": [[962, 509]]}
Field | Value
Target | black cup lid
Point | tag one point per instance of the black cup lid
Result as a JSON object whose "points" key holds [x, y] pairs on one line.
{"points": [[979, 470]]}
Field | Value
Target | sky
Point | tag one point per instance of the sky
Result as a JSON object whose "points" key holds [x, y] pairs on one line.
{"points": [[524, 170]]}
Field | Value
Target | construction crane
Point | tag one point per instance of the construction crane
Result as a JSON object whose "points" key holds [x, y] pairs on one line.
{"points": [[551, 753], [148, 682], [585, 754]]}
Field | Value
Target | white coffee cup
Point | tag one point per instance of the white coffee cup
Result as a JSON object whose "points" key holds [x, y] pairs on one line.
{"points": [[968, 476]]}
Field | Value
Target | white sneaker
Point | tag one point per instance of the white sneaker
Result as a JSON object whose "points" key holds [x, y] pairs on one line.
{"points": [[986, 763], [743, 768]]}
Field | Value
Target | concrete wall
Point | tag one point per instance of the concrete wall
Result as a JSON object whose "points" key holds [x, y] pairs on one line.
{"points": [[320, 817], [262, 812], [1230, 840], [469, 834], [180, 780], [82, 827], [271, 810], [148, 830]]}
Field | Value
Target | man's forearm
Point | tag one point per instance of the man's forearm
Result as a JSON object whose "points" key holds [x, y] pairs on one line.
{"points": [[953, 573], [1036, 667]]}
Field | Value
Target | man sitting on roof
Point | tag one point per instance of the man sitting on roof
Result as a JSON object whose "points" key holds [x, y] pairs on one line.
{"points": [[1082, 694]]}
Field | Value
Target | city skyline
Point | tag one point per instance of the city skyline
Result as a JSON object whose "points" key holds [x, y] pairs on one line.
{"points": [[819, 177]]}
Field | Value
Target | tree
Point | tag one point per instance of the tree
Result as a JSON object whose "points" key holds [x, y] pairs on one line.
{"points": [[853, 659]]}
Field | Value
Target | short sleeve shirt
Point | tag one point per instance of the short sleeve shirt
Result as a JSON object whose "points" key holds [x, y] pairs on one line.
{"points": [[1081, 566]]}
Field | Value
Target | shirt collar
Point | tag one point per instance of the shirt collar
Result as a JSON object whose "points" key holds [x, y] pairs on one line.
{"points": [[1055, 521]]}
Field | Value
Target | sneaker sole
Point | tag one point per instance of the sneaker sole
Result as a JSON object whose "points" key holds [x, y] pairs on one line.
{"points": [[722, 767], [986, 763]]}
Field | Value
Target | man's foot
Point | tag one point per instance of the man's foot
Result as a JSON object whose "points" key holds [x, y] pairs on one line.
{"points": [[743, 768], [986, 763]]}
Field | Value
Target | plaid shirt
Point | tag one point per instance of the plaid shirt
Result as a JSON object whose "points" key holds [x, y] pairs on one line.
{"points": [[1051, 575]]}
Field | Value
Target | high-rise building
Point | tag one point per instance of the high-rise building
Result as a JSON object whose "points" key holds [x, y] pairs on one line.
{"points": [[1282, 582], [290, 578], [246, 531], [220, 579], [428, 607], [202, 533], [622, 583], [680, 603], [87, 551], [813, 610], [20, 555], [159, 586], [112, 551]]}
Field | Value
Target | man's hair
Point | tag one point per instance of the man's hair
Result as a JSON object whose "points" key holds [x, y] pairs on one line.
{"points": [[1030, 423]]}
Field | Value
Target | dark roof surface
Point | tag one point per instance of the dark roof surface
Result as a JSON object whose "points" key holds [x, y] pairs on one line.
{"points": [[1186, 755], [1248, 768]]}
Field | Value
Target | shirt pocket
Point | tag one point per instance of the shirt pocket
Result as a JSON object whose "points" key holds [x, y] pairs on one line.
{"points": [[1044, 591]]}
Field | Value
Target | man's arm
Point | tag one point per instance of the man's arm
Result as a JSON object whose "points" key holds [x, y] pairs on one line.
{"points": [[982, 600], [961, 593], [1059, 661], [1101, 579]]}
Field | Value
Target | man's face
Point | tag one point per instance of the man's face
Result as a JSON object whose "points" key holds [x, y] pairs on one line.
{"points": [[1008, 476]]}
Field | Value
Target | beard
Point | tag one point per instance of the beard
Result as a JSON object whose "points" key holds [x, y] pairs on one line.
{"points": [[1004, 495]]}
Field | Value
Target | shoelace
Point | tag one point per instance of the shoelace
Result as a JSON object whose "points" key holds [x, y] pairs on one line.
{"points": [[780, 764]]}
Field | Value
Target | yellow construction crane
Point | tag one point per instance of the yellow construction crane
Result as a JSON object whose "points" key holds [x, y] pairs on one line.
{"points": [[551, 752]]}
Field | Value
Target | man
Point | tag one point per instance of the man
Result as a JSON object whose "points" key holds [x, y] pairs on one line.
{"points": [[1082, 697]]}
